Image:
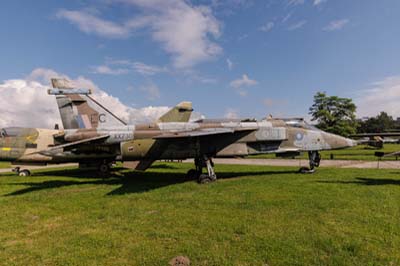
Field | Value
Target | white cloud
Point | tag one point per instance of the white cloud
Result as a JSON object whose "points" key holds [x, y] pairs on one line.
{"points": [[267, 27], [336, 25], [231, 113], [287, 17], [25, 102], [229, 63], [383, 96], [91, 24], [106, 70], [186, 32], [297, 25], [245, 81], [139, 67], [147, 70], [151, 90], [318, 2]]}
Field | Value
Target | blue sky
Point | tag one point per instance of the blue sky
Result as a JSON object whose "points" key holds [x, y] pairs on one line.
{"points": [[230, 58]]}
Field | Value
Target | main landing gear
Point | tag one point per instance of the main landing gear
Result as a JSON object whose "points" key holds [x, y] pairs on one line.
{"points": [[197, 174], [314, 158], [104, 169], [23, 172]]}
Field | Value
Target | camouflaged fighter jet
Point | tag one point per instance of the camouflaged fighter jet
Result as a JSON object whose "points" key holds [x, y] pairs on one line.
{"points": [[93, 135]]}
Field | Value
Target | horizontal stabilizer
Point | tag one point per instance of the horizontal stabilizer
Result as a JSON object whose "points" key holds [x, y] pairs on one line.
{"points": [[69, 91]]}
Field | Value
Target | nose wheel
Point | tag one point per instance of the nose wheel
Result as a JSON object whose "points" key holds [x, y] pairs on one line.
{"points": [[23, 172], [314, 158]]}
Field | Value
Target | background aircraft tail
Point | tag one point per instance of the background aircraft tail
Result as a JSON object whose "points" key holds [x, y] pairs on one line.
{"points": [[179, 113]]}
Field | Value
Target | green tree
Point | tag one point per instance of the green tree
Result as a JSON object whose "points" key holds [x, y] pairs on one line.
{"points": [[381, 123], [334, 114]]}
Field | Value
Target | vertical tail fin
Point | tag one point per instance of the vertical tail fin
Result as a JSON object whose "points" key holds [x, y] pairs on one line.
{"points": [[79, 110], [179, 113]]}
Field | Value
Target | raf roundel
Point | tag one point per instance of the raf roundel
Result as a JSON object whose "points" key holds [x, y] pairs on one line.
{"points": [[299, 136]]}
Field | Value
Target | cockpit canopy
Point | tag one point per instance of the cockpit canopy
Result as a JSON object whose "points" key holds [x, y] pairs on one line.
{"points": [[300, 123], [11, 132]]}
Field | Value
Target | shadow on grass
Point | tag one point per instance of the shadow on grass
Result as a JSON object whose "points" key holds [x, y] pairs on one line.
{"points": [[130, 182], [366, 181]]}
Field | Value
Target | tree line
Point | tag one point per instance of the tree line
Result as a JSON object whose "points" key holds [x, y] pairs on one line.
{"points": [[338, 115]]}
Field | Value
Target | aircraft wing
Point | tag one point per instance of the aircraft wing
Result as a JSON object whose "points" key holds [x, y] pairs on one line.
{"points": [[50, 151], [203, 133]]}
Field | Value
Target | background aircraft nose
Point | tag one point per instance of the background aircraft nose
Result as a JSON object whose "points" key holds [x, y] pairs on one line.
{"points": [[352, 142]]}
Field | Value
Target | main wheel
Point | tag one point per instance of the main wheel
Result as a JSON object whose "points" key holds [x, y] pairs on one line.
{"points": [[104, 169], [24, 172], [204, 179]]}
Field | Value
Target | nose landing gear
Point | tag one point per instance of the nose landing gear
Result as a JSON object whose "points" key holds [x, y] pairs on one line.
{"points": [[314, 158]]}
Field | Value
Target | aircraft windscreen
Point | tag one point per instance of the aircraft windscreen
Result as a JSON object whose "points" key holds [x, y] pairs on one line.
{"points": [[301, 124], [12, 131]]}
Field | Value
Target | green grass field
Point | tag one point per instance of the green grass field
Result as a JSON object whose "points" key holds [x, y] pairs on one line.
{"points": [[251, 216], [361, 152], [5, 165]]}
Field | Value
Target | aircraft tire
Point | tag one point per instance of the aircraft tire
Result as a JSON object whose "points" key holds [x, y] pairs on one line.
{"points": [[306, 170], [204, 179], [103, 170], [24, 173]]}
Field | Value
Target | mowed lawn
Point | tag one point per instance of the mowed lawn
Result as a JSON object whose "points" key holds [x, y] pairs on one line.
{"points": [[252, 216], [5, 165]]}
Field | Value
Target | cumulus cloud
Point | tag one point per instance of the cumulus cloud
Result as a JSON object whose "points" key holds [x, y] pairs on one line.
{"points": [[336, 25], [383, 96], [297, 25], [267, 27], [185, 31], [25, 102], [245, 81]]}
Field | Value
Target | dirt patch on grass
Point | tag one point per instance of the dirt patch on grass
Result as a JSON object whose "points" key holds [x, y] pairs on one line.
{"points": [[180, 261]]}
